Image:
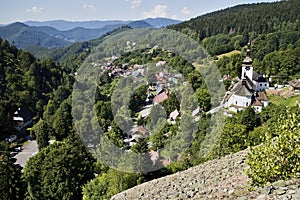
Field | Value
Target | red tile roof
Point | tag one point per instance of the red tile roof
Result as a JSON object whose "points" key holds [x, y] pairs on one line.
{"points": [[161, 97]]}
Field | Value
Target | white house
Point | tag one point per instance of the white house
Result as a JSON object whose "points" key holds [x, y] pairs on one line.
{"points": [[249, 90]]}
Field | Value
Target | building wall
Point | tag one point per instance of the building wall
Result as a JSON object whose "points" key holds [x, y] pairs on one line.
{"points": [[239, 101], [261, 86], [249, 73]]}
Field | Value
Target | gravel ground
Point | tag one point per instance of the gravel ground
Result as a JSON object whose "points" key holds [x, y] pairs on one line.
{"points": [[217, 179]]}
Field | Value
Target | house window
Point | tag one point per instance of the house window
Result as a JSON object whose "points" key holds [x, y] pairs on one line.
{"points": [[260, 85], [266, 85], [247, 104], [236, 102]]}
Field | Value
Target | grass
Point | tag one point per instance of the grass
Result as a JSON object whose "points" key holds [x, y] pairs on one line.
{"points": [[229, 54], [291, 101]]}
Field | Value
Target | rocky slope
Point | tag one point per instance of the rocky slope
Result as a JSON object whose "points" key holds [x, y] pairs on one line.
{"points": [[223, 178]]}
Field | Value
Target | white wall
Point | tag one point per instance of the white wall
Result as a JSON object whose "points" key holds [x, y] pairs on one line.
{"points": [[239, 101], [261, 86]]}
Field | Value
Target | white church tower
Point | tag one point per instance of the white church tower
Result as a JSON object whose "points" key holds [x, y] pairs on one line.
{"points": [[247, 67]]}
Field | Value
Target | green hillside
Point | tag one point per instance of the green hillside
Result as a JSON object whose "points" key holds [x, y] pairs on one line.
{"points": [[272, 28], [260, 18], [23, 36]]}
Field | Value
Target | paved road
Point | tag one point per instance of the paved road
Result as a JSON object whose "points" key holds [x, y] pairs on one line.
{"points": [[28, 149], [215, 110]]}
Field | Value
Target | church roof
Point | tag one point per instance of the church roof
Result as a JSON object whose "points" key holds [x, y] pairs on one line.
{"points": [[261, 96], [258, 78], [244, 87]]}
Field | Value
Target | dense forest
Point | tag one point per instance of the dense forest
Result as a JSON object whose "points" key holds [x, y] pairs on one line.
{"points": [[272, 29], [261, 18], [67, 170]]}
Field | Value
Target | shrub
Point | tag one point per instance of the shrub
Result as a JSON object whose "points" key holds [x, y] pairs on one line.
{"points": [[279, 157]]}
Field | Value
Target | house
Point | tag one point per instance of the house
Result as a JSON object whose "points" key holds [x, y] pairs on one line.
{"points": [[295, 84], [145, 113], [173, 116], [139, 130], [249, 90], [22, 119], [160, 63], [161, 97], [196, 113]]}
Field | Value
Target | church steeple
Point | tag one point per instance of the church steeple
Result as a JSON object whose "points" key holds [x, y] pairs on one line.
{"points": [[248, 60], [247, 68]]}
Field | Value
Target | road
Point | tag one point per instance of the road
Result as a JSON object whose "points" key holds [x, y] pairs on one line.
{"points": [[215, 110], [29, 149]]}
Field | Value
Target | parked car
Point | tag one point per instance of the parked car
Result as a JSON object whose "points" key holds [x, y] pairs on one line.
{"points": [[11, 138]]}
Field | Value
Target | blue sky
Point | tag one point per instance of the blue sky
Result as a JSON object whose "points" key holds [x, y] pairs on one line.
{"points": [[82, 10]]}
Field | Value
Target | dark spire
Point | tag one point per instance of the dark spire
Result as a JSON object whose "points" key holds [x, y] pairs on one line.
{"points": [[248, 59]]}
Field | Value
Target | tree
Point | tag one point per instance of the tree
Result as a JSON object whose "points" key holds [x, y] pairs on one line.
{"points": [[58, 171], [278, 157], [41, 130], [248, 118], [141, 146], [109, 184], [11, 184], [96, 189], [63, 121], [203, 97]]}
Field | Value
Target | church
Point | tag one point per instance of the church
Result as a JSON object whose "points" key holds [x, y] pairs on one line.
{"points": [[249, 90]]}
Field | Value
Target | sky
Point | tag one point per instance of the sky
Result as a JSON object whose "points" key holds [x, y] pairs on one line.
{"points": [[83, 10]]}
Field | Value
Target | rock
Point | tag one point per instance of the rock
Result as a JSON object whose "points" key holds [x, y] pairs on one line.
{"points": [[230, 192], [280, 183], [292, 192], [280, 192], [261, 197]]}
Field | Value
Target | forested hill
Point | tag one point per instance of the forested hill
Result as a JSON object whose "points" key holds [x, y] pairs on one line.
{"points": [[261, 18]]}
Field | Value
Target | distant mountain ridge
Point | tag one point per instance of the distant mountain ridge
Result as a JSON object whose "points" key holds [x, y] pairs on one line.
{"points": [[60, 33], [23, 36], [63, 25]]}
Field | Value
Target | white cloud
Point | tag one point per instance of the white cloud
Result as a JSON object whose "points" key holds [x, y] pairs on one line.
{"points": [[158, 11], [185, 11], [135, 3], [89, 6], [35, 9]]}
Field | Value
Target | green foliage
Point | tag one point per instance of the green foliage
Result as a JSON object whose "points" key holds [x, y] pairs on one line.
{"points": [[277, 158], [58, 171], [137, 100], [203, 98], [141, 146], [41, 130], [243, 19], [109, 184], [26, 82], [12, 186], [63, 121]]}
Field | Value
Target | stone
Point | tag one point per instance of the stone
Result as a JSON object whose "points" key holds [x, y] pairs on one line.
{"points": [[292, 192], [280, 183], [230, 192], [261, 197], [280, 192]]}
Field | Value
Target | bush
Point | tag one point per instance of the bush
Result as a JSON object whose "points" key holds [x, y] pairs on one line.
{"points": [[279, 157]]}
